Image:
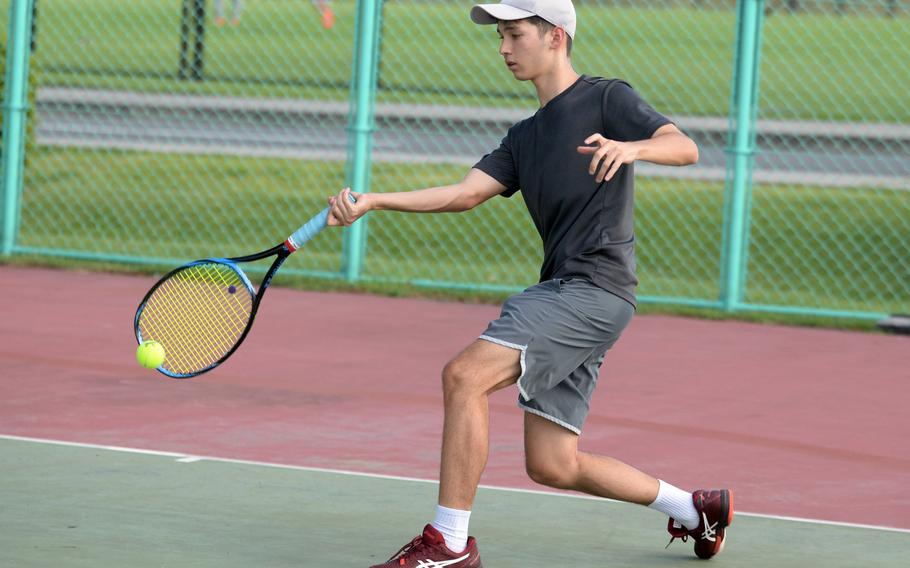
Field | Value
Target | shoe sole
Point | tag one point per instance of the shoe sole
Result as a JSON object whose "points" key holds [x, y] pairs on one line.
{"points": [[727, 503]]}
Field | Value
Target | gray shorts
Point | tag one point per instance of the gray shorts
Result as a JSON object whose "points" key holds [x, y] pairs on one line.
{"points": [[563, 328]]}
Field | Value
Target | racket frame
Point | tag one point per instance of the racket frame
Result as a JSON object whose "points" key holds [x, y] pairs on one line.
{"points": [[281, 252]]}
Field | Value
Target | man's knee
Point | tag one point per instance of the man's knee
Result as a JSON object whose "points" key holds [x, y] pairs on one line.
{"points": [[480, 369], [552, 470], [458, 377]]}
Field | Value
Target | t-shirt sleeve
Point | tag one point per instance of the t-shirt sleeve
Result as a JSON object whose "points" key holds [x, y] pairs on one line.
{"points": [[627, 117], [500, 165]]}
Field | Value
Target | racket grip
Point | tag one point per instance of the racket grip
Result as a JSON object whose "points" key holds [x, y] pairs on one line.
{"points": [[310, 229]]}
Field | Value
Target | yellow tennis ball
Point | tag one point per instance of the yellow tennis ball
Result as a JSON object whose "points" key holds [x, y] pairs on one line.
{"points": [[150, 354]]}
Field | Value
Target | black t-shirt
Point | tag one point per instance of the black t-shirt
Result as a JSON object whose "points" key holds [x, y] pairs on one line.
{"points": [[586, 226]]}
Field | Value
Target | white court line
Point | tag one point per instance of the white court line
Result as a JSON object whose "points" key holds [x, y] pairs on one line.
{"points": [[189, 459], [186, 458]]}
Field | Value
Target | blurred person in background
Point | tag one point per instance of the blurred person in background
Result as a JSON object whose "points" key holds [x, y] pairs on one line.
{"points": [[236, 9]]}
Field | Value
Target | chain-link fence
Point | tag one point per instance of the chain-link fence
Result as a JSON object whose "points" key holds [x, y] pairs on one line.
{"points": [[170, 130], [165, 135], [831, 208]]}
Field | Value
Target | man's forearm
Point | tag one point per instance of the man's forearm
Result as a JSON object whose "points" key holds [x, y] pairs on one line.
{"points": [[447, 198], [672, 149]]}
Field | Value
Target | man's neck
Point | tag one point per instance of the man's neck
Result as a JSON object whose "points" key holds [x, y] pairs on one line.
{"points": [[550, 85]]}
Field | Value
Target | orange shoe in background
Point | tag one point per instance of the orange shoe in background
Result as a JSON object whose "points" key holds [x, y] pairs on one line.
{"points": [[328, 18]]}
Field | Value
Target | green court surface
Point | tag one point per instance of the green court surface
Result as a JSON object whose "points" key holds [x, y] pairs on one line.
{"points": [[64, 505]]}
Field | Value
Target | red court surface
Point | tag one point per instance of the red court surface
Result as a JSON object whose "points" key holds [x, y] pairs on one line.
{"points": [[800, 422]]}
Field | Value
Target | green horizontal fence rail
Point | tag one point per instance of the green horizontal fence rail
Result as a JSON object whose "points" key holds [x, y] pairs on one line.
{"points": [[178, 129]]}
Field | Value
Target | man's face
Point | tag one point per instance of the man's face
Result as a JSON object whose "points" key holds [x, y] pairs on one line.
{"points": [[524, 48]]}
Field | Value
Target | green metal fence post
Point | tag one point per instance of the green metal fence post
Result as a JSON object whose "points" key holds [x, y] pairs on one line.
{"points": [[360, 126], [14, 116], [740, 152]]}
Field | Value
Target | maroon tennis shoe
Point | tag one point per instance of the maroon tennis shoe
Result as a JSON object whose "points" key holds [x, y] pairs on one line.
{"points": [[715, 512], [429, 550]]}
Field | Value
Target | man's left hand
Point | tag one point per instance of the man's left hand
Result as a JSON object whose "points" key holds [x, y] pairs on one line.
{"points": [[608, 155]]}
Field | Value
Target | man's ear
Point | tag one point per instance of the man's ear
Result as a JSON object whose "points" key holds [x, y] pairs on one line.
{"points": [[558, 37]]}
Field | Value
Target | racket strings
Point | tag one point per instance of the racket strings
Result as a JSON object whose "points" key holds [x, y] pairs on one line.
{"points": [[179, 318], [203, 322], [197, 346], [202, 327], [198, 315], [202, 316]]}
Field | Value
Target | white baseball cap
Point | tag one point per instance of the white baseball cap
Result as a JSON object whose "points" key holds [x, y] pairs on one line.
{"points": [[560, 13]]}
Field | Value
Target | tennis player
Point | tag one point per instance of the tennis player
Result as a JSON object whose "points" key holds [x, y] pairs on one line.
{"points": [[573, 162]]}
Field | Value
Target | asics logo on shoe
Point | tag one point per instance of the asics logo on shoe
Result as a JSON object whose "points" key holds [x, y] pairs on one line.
{"points": [[440, 564], [710, 531]]}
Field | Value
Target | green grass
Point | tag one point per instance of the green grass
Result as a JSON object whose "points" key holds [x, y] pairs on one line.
{"points": [[813, 247], [814, 66]]}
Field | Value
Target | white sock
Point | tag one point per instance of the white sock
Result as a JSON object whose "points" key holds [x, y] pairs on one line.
{"points": [[453, 524], [676, 503]]}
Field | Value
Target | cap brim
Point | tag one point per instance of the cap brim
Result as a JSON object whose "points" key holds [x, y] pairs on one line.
{"points": [[493, 13]]}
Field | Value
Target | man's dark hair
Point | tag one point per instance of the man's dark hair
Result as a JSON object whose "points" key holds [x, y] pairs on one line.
{"points": [[544, 26]]}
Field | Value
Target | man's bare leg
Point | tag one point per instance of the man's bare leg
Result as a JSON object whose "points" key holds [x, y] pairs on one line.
{"points": [[481, 369], [552, 458]]}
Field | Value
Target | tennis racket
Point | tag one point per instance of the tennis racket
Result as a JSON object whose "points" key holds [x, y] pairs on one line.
{"points": [[202, 311]]}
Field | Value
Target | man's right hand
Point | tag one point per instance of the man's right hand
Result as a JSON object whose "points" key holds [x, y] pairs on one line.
{"points": [[342, 213]]}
